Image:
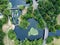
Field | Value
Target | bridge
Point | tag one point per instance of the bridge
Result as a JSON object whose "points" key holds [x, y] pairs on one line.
{"points": [[14, 8]]}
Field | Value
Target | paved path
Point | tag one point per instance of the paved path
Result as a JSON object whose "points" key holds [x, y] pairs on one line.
{"points": [[6, 28], [45, 36]]}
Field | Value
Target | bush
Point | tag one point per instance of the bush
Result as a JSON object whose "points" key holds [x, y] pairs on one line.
{"points": [[7, 12], [16, 42], [28, 1], [24, 24], [57, 27], [11, 34], [2, 34], [35, 42], [21, 7], [3, 20], [49, 40]]}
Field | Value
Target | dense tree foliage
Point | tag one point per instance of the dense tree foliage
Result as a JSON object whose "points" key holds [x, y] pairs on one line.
{"points": [[28, 1], [49, 39], [16, 42], [3, 5], [24, 24], [46, 14], [4, 11], [2, 34], [35, 42], [21, 7], [11, 34], [49, 10], [7, 12]]}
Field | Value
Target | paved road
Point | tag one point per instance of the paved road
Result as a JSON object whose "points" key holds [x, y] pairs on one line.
{"points": [[35, 5], [45, 35]]}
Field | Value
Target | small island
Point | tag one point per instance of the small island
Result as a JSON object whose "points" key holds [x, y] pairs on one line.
{"points": [[33, 32], [15, 15]]}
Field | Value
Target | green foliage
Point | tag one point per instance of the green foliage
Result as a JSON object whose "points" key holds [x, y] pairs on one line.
{"points": [[57, 27], [49, 40], [16, 42], [58, 37], [52, 29], [2, 34], [3, 20], [35, 42], [26, 16], [24, 24], [39, 42], [30, 9], [49, 10], [3, 5], [28, 1], [11, 34], [7, 12], [21, 7]]}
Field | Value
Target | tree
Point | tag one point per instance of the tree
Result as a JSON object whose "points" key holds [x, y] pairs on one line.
{"points": [[2, 34], [21, 7], [40, 41], [16, 42], [51, 9], [11, 34], [45, 14], [3, 21], [57, 27], [28, 1], [49, 40], [3, 5], [24, 24], [7, 12]]}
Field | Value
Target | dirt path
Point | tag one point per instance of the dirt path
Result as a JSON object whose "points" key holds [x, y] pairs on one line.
{"points": [[6, 28], [58, 19]]}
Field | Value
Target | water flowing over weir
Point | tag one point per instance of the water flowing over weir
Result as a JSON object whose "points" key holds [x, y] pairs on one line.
{"points": [[15, 17]]}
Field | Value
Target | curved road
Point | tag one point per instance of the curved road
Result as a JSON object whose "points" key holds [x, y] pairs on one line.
{"points": [[45, 35], [35, 5]]}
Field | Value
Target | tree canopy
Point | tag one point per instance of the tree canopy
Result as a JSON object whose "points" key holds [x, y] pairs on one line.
{"points": [[45, 14], [3, 5], [11, 34]]}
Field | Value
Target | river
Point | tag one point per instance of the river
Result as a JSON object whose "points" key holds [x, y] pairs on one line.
{"points": [[21, 33]]}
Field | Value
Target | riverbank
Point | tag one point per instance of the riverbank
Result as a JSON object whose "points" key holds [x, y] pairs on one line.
{"points": [[6, 27], [24, 11]]}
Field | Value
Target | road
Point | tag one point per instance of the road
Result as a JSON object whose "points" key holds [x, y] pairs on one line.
{"points": [[45, 35]]}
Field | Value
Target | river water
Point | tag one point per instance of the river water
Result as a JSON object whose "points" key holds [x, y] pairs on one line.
{"points": [[21, 33]]}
